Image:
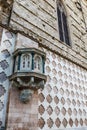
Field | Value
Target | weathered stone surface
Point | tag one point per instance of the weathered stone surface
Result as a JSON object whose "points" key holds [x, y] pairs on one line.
{"points": [[61, 104], [39, 20], [2, 90], [23, 116]]}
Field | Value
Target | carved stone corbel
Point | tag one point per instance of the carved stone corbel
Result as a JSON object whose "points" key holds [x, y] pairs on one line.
{"points": [[26, 95]]}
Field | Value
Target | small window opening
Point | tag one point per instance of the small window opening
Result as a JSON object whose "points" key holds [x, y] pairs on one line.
{"points": [[37, 63], [62, 23]]}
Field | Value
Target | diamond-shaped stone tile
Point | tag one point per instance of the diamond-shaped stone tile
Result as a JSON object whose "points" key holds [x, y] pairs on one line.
{"points": [[64, 68], [41, 122], [6, 53], [61, 91], [41, 97], [84, 112], [49, 99], [50, 123], [65, 76], [64, 122], [70, 122], [76, 122], [48, 69], [67, 92], [55, 90], [76, 87], [71, 85], [70, 77], [73, 102], [49, 110], [80, 112], [77, 94], [78, 103], [59, 66], [2, 90], [53, 56], [68, 101], [62, 101], [7, 43], [72, 94], [1, 105], [9, 34], [66, 84], [49, 88], [57, 122], [85, 97], [85, 121], [70, 111], [60, 74], [69, 70], [83, 103], [54, 63], [74, 111], [54, 71], [63, 110], [54, 80], [3, 77], [48, 78], [41, 109], [57, 110], [48, 60], [4, 64], [56, 99], [81, 122]]}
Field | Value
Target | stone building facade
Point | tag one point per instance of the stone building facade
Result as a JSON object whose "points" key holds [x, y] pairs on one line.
{"points": [[57, 78]]}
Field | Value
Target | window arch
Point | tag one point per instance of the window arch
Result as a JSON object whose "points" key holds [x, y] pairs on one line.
{"points": [[62, 23], [38, 63], [26, 62]]}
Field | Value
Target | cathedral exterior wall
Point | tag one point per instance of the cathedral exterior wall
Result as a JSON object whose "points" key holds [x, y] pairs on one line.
{"points": [[62, 104], [39, 20]]}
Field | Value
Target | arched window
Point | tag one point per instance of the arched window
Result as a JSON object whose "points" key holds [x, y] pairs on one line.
{"points": [[37, 63], [62, 23], [26, 62]]}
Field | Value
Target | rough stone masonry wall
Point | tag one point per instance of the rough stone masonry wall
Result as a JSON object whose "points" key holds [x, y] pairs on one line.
{"points": [[38, 19]]}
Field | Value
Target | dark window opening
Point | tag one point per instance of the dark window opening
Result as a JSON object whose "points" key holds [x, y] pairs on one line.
{"points": [[62, 24]]}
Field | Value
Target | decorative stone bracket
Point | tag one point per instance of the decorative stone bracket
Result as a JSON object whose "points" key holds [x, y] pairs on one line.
{"points": [[28, 72]]}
